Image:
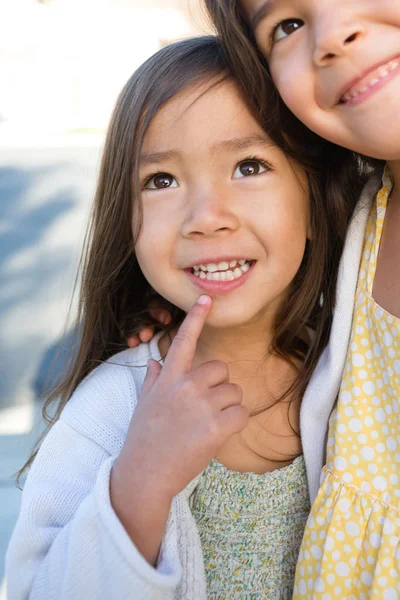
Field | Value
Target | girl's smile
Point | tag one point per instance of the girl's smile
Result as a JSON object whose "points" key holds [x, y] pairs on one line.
{"points": [[218, 277], [224, 210]]}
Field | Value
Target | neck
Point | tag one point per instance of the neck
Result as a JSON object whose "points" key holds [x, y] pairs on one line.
{"points": [[233, 345], [394, 166]]}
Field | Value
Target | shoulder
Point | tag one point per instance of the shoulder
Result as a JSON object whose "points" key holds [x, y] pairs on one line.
{"points": [[105, 400]]}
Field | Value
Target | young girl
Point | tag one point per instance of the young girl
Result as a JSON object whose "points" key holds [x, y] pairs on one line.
{"points": [[337, 66], [158, 484]]}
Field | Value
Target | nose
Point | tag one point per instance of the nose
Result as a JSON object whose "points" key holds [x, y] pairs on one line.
{"points": [[210, 213], [335, 37]]}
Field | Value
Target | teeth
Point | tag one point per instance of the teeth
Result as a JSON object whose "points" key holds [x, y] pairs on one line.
{"points": [[380, 74], [233, 263], [222, 275]]}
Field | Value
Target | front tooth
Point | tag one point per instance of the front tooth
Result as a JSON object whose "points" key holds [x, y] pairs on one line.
{"points": [[222, 276], [229, 276], [203, 267], [223, 266], [202, 275], [242, 262], [212, 267], [209, 276], [237, 273], [216, 276], [233, 263]]}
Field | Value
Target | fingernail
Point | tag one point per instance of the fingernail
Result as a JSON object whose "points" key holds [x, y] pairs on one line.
{"points": [[203, 299]]}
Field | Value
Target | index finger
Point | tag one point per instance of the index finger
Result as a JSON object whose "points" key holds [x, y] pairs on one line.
{"points": [[182, 350]]}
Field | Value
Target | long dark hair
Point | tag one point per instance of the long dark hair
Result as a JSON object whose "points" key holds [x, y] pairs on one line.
{"points": [[114, 294]]}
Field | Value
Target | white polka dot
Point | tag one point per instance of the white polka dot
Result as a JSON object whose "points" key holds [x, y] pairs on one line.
{"points": [[366, 578], [369, 387], [367, 453], [302, 587], [354, 459], [344, 504], [342, 569], [380, 483], [368, 421], [352, 528], [358, 360], [391, 443], [387, 338], [375, 540], [340, 463], [397, 366], [390, 594], [356, 425], [316, 552], [380, 415], [377, 350], [345, 397]]}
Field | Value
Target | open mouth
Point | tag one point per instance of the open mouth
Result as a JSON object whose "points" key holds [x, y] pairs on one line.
{"points": [[222, 271], [373, 81]]}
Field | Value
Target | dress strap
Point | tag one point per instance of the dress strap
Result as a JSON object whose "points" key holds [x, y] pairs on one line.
{"points": [[374, 237]]}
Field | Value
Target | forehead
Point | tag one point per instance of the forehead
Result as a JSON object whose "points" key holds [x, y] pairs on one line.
{"points": [[200, 113]]}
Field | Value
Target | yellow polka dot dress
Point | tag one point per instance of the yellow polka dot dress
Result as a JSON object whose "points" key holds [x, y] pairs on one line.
{"points": [[351, 545]]}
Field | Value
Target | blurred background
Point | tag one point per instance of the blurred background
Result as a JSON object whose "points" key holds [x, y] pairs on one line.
{"points": [[62, 65]]}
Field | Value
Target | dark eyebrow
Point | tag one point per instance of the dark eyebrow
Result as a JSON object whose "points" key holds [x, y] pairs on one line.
{"points": [[265, 9], [241, 143], [151, 158]]}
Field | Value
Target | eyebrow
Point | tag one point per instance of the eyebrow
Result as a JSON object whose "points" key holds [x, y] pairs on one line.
{"points": [[263, 11], [151, 158], [239, 143]]}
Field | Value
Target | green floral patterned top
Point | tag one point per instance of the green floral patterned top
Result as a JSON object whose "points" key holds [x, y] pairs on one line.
{"points": [[251, 528]]}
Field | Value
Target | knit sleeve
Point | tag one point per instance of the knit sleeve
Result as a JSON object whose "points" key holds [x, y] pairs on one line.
{"points": [[68, 542]]}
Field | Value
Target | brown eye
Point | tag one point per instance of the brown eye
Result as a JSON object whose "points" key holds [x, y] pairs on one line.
{"points": [[247, 168], [160, 182], [286, 28]]}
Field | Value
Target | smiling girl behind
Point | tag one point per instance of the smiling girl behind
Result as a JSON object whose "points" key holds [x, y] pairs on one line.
{"points": [[186, 479]]}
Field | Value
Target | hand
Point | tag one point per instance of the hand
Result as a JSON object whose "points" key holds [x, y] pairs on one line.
{"points": [[184, 415], [158, 313]]}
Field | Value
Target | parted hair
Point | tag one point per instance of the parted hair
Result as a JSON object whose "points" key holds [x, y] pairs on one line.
{"points": [[114, 294]]}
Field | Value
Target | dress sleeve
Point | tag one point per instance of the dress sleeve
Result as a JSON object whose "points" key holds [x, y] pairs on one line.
{"points": [[68, 542]]}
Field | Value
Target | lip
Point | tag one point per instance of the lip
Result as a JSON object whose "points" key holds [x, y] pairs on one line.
{"points": [[219, 288], [371, 90]]}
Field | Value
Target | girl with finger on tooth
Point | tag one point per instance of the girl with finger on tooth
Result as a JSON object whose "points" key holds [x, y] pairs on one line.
{"points": [[176, 469]]}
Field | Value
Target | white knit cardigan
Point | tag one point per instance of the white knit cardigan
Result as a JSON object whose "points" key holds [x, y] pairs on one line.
{"points": [[68, 543]]}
